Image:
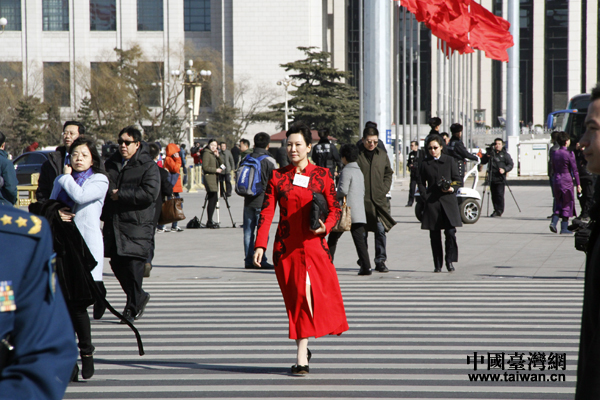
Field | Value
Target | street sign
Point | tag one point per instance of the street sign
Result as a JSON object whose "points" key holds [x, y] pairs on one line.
{"points": [[388, 136]]}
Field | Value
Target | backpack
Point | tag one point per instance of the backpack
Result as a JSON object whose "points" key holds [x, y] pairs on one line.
{"points": [[248, 176]]}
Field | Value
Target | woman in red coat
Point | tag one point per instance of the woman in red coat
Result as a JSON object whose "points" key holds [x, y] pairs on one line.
{"points": [[303, 266], [173, 165]]}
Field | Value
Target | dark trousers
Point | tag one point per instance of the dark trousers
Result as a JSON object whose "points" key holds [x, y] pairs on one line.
{"points": [[435, 236], [411, 190], [358, 236], [212, 204], [130, 273], [497, 190], [226, 190], [380, 243], [587, 194], [82, 326]]}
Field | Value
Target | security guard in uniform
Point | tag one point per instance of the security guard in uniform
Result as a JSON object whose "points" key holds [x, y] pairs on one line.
{"points": [[37, 341]]}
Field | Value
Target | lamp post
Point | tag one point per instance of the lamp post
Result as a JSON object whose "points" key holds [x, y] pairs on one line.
{"points": [[3, 22], [195, 80], [286, 82]]}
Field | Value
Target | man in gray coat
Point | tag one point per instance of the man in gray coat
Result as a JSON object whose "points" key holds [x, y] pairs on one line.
{"points": [[377, 171], [229, 167]]}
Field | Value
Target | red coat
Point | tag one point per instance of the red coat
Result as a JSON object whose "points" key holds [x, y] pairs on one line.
{"points": [[298, 251], [173, 165]]}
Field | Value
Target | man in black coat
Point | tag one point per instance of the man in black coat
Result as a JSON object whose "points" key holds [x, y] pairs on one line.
{"points": [[588, 181], [457, 149], [440, 210], [413, 166], [53, 167], [500, 163], [326, 155], [588, 368], [128, 215]]}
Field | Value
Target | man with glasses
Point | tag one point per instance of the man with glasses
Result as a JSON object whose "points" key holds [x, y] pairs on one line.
{"points": [[128, 215], [375, 166], [53, 167]]}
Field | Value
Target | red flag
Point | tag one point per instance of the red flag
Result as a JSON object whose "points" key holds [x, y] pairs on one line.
{"points": [[490, 33]]}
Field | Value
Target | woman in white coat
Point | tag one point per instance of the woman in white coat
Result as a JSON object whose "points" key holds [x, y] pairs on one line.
{"points": [[352, 186], [82, 187]]}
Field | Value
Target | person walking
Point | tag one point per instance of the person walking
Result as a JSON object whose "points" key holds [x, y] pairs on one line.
{"points": [[375, 166], [253, 204], [413, 166], [565, 169], [306, 275], [173, 166], [82, 188], [128, 215], [352, 186], [230, 165], [211, 167], [440, 209], [8, 176], [588, 181], [500, 164], [326, 155], [34, 315], [456, 148], [588, 369]]}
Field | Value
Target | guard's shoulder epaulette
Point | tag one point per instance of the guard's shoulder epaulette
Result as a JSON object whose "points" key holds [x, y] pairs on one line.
{"points": [[13, 220]]}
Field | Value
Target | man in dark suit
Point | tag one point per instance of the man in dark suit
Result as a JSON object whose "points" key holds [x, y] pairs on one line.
{"points": [[56, 160], [457, 149]]}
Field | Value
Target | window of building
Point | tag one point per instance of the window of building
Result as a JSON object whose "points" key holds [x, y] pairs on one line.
{"points": [[352, 55], [55, 15], [150, 15], [151, 80], [196, 15], [57, 83], [103, 15], [11, 78], [556, 55], [526, 60], [11, 10]]}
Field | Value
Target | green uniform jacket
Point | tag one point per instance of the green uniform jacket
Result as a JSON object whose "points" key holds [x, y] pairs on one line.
{"points": [[210, 163], [378, 180]]}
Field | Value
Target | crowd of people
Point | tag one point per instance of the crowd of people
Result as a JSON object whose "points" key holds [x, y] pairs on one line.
{"points": [[77, 192]]}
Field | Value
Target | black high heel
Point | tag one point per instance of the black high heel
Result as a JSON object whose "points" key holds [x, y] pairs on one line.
{"points": [[309, 354], [300, 369], [75, 374], [87, 366]]}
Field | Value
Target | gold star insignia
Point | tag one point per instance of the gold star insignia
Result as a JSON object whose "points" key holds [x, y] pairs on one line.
{"points": [[22, 222], [6, 220], [37, 225]]}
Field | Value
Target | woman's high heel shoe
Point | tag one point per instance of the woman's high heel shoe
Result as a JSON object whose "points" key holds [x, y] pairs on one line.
{"points": [[300, 369], [87, 366], [309, 355]]}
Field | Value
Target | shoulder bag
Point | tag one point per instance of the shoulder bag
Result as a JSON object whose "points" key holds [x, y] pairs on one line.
{"points": [[345, 221], [171, 211]]}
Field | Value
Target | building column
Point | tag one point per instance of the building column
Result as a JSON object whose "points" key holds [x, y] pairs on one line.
{"points": [[574, 53], [338, 33], [591, 68], [539, 43]]}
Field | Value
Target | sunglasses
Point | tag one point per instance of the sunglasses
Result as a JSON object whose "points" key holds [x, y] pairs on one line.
{"points": [[126, 142], [372, 141], [433, 148]]}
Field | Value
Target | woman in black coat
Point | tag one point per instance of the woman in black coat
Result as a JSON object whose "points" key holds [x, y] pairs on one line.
{"points": [[440, 205]]}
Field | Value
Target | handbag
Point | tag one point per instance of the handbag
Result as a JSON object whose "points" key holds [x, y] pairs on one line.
{"points": [[194, 223], [171, 211], [319, 210], [173, 178], [345, 222]]}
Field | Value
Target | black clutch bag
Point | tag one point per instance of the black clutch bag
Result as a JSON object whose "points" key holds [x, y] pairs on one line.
{"points": [[319, 210]]}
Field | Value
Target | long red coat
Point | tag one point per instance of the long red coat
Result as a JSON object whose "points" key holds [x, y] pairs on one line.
{"points": [[298, 251]]}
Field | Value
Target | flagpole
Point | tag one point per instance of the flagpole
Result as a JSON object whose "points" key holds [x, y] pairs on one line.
{"points": [[361, 77], [471, 122], [397, 91], [458, 91], [445, 114], [404, 132], [411, 95], [439, 77], [418, 81]]}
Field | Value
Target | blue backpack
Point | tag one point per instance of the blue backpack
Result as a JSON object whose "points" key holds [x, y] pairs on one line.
{"points": [[248, 176]]}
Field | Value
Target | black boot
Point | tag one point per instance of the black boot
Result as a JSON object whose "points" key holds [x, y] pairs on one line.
{"points": [[75, 374], [87, 366]]}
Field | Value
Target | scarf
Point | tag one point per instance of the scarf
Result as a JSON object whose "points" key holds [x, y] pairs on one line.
{"points": [[80, 178]]}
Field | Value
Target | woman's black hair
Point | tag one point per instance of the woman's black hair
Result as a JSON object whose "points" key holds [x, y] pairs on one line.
{"points": [[302, 129], [435, 138], [210, 141], [97, 165], [561, 138], [349, 152]]}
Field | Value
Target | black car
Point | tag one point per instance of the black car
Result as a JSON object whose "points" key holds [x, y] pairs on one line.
{"points": [[29, 163]]}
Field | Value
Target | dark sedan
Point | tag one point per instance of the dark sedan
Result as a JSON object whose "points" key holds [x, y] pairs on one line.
{"points": [[29, 163]]}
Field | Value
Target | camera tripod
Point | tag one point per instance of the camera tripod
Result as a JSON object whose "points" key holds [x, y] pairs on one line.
{"points": [[488, 180], [221, 191]]}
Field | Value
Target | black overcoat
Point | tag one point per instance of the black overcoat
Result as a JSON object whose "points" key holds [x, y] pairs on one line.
{"points": [[129, 221], [435, 201]]}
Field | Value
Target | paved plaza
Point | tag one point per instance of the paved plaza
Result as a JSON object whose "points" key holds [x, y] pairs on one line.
{"points": [[215, 330]]}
